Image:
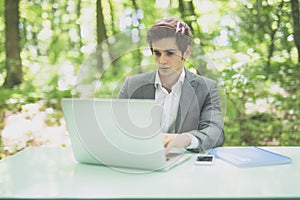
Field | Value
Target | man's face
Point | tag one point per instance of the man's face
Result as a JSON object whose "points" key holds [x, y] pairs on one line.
{"points": [[168, 57]]}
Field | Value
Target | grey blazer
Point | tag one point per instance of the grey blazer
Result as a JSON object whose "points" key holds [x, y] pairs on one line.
{"points": [[199, 110]]}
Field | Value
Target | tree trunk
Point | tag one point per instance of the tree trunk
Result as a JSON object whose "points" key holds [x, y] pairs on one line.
{"points": [[78, 25], [296, 21], [187, 11], [273, 32], [12, 44], [138, 53], [101, 34], [111, 6]]}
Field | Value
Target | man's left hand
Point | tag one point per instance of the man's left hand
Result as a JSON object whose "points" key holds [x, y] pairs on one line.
{"points": [[175, 140]]}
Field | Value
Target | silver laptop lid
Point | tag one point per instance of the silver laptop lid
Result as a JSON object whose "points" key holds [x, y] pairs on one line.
{"points": [[115, 132]]}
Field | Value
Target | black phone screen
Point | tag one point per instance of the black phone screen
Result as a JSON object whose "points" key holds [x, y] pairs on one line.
{"points": [[204, 158]]}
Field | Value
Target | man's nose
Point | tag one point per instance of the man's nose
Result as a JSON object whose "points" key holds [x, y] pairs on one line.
{"points": [[163, 59]]}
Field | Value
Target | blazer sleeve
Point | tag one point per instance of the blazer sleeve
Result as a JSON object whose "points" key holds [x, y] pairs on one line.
{"points": [[123, 93], [210, 131]]}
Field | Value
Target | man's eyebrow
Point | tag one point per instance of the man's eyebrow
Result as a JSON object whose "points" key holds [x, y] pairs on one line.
{"points": [[170, 50], [166, 50]]}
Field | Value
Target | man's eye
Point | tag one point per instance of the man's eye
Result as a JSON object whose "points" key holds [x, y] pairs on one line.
{"points": [[158, 54], [169, 53]]}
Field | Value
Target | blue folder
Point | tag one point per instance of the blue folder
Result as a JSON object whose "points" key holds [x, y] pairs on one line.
{"points": [[249, 156]]}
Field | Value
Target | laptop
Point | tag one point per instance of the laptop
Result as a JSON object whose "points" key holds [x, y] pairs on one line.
{"points": [[119, 133]]}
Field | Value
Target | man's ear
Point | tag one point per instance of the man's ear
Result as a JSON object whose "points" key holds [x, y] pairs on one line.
{"points": [[187, 52]]}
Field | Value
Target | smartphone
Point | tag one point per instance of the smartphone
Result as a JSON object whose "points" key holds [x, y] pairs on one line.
{"points": [[204, 159]]}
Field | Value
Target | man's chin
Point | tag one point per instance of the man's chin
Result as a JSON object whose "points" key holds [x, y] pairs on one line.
{"points": [[167, 72]]}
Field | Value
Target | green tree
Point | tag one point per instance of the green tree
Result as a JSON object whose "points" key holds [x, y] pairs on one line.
{"points": [[12, 45]]}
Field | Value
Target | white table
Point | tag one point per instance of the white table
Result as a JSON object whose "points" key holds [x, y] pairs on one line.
{"points": [[53, 173]]}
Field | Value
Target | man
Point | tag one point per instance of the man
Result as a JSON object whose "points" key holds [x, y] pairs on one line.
{"points": [[191, 116]]}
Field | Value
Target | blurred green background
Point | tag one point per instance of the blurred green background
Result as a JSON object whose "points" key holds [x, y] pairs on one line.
{"points": [[252, 48]]}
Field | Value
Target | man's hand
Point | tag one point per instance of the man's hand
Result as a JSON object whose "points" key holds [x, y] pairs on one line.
{"points": [[175, 140]]}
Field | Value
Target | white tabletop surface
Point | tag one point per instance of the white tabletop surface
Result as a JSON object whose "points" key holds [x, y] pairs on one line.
{"points": [[53, 173]]}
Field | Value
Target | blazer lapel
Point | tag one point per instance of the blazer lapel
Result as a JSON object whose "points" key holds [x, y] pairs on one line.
{"points": [[148, 91], [148, 88], [186, 99]]}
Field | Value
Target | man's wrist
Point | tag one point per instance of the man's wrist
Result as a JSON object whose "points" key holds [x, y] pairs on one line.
{"points": [[194, 141]]}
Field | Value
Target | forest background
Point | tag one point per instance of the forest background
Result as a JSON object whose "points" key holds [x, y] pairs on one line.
{"points": [[51, 49]]}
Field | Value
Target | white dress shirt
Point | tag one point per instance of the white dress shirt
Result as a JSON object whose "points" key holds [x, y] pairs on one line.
{"points": [[170, 104]]}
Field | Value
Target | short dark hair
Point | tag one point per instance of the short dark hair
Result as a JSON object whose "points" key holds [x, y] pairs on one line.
{"points": [[170, 27]]}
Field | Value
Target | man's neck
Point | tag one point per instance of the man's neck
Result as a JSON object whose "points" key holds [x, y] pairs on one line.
{"points": [[168, 81]]}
